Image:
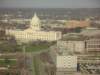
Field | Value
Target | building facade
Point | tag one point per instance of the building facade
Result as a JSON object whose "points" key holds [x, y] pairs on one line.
{"points": [[93, 44], [65, 65], [71, 46]]}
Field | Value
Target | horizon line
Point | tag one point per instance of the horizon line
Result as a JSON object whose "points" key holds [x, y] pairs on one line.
{"points": [[49, 8]]}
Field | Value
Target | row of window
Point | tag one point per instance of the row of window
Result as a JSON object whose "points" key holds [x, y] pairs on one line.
{"points": [[93, 46]]}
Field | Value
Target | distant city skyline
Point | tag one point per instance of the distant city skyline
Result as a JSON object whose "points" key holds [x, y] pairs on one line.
{"points": [[49, 3]]}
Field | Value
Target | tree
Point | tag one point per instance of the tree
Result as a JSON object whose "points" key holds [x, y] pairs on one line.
{"points": [[7, 73], [78, 29], [7, 61]]}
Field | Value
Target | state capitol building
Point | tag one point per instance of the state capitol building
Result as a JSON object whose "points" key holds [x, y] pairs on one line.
{"points": [[34, 32]]}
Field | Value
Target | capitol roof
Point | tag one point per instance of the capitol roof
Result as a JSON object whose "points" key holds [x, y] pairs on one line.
{"points": [[35, 20]]}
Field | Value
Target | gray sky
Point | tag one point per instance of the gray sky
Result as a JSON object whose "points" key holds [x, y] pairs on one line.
{"points": [[50, 3]]}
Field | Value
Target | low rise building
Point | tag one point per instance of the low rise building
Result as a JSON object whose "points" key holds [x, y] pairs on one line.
{"points": [[90, 31], [72, 44], [88, 64], [75, 24]]}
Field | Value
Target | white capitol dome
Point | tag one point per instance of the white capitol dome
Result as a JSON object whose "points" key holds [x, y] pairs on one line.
{"points": [[35, 22]]}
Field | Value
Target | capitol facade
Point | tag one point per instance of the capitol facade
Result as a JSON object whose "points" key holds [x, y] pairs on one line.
{"points": [[34, 32]]}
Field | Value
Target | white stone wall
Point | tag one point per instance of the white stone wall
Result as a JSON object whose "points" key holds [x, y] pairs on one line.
{"points": [[34, 35]]}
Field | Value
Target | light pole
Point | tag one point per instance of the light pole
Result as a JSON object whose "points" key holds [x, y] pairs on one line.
{"points": [[24, 50]]}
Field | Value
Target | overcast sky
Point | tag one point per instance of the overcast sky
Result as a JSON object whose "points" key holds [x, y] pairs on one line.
{"points": [[50, 3]]}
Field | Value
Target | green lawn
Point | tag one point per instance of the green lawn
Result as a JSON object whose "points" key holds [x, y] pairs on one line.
{"points": [[6, 62], [36, 65]]}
